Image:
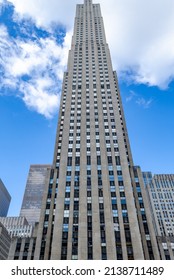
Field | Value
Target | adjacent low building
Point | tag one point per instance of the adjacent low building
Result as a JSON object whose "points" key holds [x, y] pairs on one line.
{"points": [[21, 236], [5, 241], [17, 226], [23, 229], [23, 248], [160, 189]]}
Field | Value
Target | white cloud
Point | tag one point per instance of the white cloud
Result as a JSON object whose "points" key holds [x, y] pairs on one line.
{"points": [[34, 69], [132, 94], [45, 12], [141, 38], [37, 98], [141, 41], [144, 103], [138, 99]]}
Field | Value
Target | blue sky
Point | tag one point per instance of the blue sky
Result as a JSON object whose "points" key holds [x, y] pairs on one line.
{"points": [[34, 42]]}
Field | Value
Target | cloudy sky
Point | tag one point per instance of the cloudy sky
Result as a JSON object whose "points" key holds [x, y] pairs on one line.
{"points": [[35, 37]]}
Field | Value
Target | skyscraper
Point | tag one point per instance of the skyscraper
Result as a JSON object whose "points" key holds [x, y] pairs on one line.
{"points": [[5, 199], [90, 208], [34, 191]]}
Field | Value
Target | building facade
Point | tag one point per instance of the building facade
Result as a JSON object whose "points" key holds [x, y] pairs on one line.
{"points": [[19, 237], [5, 199], [32, 200], [89, 208], [23, 229], [5, 241], [144, 214], [17, 226], [23, 247], [160, 189]]}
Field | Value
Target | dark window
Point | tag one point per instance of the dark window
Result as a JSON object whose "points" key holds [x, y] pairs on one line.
{"points": [[88, 160], [104, 254], [117, 160], [77, 161], [98, 160], [88, 181], [109, 160], [69, 161]]}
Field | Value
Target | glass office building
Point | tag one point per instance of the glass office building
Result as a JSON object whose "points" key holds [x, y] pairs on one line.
{"points": [[32, 200], [5, 199]]}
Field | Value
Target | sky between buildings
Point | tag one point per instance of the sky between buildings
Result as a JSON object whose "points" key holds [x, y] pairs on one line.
{"points": [[35, 37]]}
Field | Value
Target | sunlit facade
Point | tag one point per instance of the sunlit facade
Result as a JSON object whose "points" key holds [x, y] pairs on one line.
{"points": [[95, 205]]}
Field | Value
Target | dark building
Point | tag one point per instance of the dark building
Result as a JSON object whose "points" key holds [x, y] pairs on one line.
{"points": [[5, 199]]}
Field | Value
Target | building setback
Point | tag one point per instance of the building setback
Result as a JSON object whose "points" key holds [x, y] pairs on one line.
{"points": [[91, 208]]}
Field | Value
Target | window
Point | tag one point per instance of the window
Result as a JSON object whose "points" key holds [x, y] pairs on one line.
{"points": [[117, 160], [69, 161], [77, 161], [109, 160], [98, 160], [88, 160]]}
